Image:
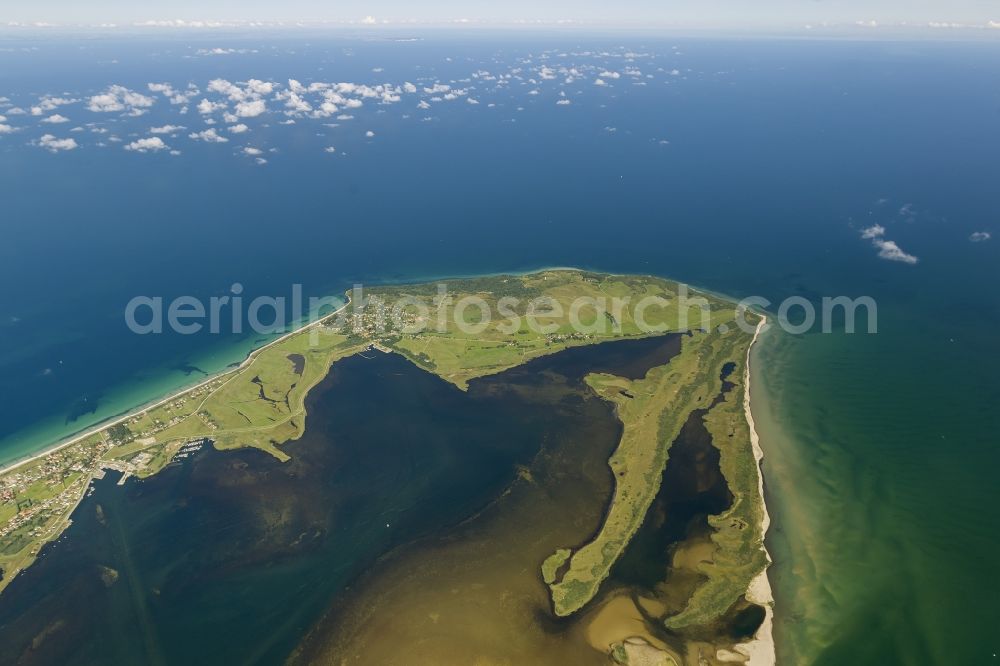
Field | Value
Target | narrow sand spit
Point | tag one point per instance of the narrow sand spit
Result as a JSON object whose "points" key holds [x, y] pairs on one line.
{"points": [[760, 650]]}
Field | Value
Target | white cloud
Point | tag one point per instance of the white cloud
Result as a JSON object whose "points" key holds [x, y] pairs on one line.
{"points": [[564, 102], [600, 82], [180, 23], [368, 20], [224, 87], [259, 87], [980, 236], [326, 109], [164, 88], [608, 74], [330, 149], [208, 136], [119, 98], [874, 231], [105, 103], [5, 129], [888, 249], [253, 152], [238, 129], [166, 129], [54, 145], [409, 87], [369, 134], [296, 104], [219, 51], [153, 144], [132, 98], [250, 109], [55, 119], [206, 107], [49, 103]]}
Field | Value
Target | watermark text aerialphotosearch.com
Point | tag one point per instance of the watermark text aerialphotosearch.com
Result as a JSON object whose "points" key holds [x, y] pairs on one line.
{"points": [[471, 314]]}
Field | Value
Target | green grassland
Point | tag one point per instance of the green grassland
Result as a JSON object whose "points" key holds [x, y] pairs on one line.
{"points": [[511, 339], [652, 411], [262, 403]]}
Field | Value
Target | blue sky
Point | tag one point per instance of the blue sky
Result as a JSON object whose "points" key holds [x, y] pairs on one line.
{"points": [[702, 13]]}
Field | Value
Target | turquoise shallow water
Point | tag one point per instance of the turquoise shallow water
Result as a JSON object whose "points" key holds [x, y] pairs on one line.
{"points": [[881, 449]]}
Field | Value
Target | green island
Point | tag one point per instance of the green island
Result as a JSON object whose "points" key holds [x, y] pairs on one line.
{"points": [[261, 404]]}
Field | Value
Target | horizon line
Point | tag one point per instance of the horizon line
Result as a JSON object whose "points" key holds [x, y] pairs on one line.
{"points": [[857, 29]]}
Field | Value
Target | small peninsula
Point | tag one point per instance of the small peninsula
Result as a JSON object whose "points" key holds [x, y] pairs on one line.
{"points": [[262, 404]]}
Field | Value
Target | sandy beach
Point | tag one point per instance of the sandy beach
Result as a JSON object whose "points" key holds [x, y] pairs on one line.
{"points": [[759, 651]]}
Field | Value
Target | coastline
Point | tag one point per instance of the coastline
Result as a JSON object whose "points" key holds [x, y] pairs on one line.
{"points": [[760, 651], [74, 439]]}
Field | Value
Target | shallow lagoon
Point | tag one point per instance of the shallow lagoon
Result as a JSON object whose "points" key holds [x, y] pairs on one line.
{"points": [[231, 556]]}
